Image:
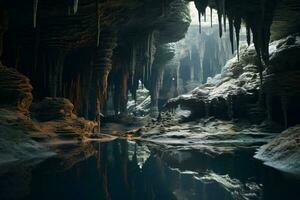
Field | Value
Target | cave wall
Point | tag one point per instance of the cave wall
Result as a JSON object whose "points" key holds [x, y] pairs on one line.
{"points": [[83, 49]]}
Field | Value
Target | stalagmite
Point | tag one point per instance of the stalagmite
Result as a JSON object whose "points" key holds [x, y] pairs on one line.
{"points": [[75, 6], [237, 26], [35, 6]]}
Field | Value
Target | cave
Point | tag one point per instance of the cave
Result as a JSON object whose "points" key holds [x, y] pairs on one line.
{"points": [[150, 99]]}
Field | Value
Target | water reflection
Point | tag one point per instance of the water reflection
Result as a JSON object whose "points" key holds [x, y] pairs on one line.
{"points": [[127, 170]]}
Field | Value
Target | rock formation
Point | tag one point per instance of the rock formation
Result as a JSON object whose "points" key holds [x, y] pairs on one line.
{"points": [[15, 89], [283, 151], [231, 94], [52, 109]]}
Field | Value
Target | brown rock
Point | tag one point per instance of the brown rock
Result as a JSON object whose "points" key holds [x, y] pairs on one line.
{"points": [[52, 109], [15, 89]]}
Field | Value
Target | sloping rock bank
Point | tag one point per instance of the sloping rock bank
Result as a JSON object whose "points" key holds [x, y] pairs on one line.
{"points": [[29, 137], [283, 152], [16, 145]]}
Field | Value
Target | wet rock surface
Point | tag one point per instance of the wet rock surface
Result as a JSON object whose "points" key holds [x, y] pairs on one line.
{"points": [[16, 143], [235, 93], [283, 152], [231, 94], [210, 136]]}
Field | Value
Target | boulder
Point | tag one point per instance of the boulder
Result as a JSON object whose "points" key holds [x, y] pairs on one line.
{"points": [[283, 152], [53, 108], [15, 89]]}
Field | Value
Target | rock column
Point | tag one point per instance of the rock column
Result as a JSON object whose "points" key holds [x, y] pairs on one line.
{"points": [[102, 66]]}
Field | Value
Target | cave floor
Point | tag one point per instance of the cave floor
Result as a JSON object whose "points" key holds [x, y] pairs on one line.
{"points": [[143, 158]]}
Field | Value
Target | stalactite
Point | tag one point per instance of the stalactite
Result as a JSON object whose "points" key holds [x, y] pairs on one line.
{"points": [[224, 14], [219, 11], [163, 8], [69, 10], [35, 7], [75, 6], [149, 55], [237, 26], [248, 34], [199, 18], [123, 93], [262, 8], [220, 25], [256, 42], [201, 7], [60, 66], [231, 33], [36, 49], [143, 74], [211, 17], [98, 22], [133, 63], [3, 28]]}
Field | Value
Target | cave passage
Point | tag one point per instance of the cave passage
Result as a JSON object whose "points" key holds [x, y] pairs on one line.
{"points": [[150, 99]]}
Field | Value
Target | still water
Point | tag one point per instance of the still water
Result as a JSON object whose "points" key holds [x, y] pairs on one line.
{"points": [[124, 170]]}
